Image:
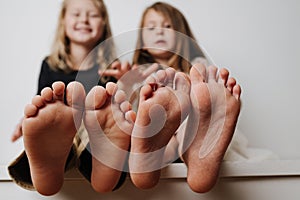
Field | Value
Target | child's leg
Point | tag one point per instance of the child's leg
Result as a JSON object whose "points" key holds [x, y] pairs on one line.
{"points": [[49, 127], [161, 110], [109, 122], [210, 126]]}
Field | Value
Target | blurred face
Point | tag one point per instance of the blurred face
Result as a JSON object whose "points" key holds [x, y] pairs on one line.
{"points": [[158, 35], [83, 22]]}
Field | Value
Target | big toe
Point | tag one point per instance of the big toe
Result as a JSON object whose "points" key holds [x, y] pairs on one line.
{"points": [[75, 95], [96, 98], [198, 73]]}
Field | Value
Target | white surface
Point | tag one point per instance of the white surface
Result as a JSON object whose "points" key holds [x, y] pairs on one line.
{"points": [[277, 188], [238, 182], [266, 168], [227, 189]]}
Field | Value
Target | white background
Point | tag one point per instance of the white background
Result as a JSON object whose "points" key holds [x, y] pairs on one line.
{"points": [[258, 41]]}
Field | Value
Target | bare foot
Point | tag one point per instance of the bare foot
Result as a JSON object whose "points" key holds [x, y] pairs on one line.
{"points": [[211, 124], [109, 121], [163, 105], [49, 127]]}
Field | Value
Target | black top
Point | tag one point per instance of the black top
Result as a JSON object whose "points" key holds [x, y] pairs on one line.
{"points": [[89, 78]]}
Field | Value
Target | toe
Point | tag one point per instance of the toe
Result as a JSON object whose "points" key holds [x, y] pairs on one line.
{"points": [[161, 77], [146, 91], [38, 101], [170, 76], [151, 79], [58, 90], [96, 98], [119, 97], [130, 116], [47, 94], [125, 106], [198, 73], [75, 94], [182, 82], [111, 88], [212, 74], [30, 110], [230, 84], [223, 76], [237, 91]]}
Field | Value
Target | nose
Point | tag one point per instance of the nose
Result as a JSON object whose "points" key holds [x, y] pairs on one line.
{"points": [[159, 31], [83, 18]]}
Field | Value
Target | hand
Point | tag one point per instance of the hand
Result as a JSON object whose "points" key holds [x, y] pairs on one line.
{"points": [[136, 76], [17, 132], [117, 70]]}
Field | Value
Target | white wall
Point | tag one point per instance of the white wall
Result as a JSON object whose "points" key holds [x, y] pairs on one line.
{"points": [[257, 40]]}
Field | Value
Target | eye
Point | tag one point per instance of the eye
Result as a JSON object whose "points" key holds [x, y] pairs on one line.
{"points": [[168, 26], [150, 28], [94, 15], [75, 14]]}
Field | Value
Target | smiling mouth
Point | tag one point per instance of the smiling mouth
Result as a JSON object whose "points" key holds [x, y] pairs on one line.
{"points": [[84, 30]]}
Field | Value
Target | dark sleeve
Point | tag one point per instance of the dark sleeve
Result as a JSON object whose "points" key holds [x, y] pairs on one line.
{"points": [[44, 78]]}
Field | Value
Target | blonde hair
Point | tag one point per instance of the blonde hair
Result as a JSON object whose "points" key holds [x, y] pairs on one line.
{"points": [[186, 46], [60, 53]]}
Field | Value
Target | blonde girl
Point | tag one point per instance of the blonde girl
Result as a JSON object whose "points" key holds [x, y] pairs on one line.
{"points": [[79, 50]]}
